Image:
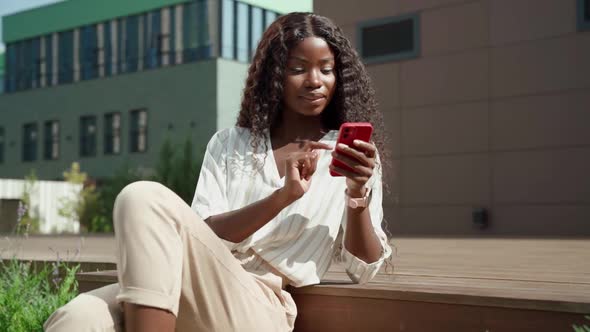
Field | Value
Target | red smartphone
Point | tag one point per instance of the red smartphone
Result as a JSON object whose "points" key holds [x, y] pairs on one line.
{"points": [[349, 131]]}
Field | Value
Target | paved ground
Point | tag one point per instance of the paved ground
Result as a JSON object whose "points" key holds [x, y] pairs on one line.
{"points": [[72, 248]]}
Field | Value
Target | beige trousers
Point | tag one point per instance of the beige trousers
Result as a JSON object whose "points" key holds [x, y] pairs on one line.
{"points": [[169, 258]]}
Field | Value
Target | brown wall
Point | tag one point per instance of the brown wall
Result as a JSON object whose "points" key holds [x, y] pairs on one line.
{"points": [[494, 113]]}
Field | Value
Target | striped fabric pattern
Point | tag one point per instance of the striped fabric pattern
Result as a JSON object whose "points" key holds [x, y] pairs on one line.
{"points": [[302, 239]]}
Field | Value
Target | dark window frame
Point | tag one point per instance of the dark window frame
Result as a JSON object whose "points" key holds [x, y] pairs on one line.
{"points": [[135, 130], [2, 144], [88, 141], [583, 14], [414, 53], [50, 139], [30, 146], [110, 133]]}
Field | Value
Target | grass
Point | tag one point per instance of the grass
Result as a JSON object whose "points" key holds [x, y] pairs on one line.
{"points": [[30, 294]]}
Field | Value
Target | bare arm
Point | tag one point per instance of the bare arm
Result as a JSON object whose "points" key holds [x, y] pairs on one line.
{"points": [[237, 225], [360, 239]]}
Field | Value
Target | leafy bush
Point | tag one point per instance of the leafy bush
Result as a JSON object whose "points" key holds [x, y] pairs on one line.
{"points": [[177, 169], [29, 220], [29, 295], [582, 328]]}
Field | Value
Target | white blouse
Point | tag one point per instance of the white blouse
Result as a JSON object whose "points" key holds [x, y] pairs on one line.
{"points": [[302, 239]]}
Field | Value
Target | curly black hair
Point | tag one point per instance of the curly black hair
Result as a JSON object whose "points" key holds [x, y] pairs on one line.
{"points": [[353, 100]]}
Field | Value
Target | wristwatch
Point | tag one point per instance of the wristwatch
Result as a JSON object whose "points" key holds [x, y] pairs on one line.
{"points": [[358, 202]]}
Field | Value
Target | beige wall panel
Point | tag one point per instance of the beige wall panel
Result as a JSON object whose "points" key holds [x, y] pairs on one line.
{"points": [[512, 21], [445, 79], [392, 120], [541, 121], [437, 220], [549, 176], [385, 78], [393, 180], [353, 11], [445, 129], [454, 28], [350, 33], [539, 220], [458, 179], [541, 66]]}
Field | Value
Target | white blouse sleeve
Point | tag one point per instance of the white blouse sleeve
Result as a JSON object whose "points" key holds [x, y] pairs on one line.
{"points": [[358, 270], [210, 195]]}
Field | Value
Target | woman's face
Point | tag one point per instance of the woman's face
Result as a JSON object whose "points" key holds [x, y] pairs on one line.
{"points": [[310, 77]]}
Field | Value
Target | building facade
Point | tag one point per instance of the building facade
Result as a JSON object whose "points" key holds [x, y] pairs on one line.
{"points": [[486, 103], [105, 83]]}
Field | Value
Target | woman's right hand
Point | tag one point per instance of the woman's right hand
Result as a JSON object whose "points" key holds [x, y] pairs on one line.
{"points": [[299, 169]]}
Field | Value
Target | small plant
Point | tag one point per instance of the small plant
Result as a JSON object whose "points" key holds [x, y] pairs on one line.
{"points": [[582, 328], [28, 295], [85, 207], [28, 220]]}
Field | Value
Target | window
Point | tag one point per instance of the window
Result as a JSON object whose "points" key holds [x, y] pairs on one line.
{"points": [[138, 131], [2, 139], [112, 133], [269, 17], [51, 140], [153, 39], [28, 59], [121, 66], [203, 29], [583, 15], [65, 57], [227, 29], [242, 26], [172, 36], [37, 60], [88, 136], [132, 43], [11, 69], [89, 52], [242, 53], [389, 39], [30, 142], [107, 46], [256, 28], [48, 60], [190, 29]]}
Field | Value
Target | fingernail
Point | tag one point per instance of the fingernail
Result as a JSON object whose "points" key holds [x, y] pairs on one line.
{"points": [[342, 146], [356, 142]]}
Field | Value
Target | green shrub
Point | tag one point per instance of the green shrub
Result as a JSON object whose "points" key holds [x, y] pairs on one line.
{"points": [[582, 328], [28, 295]]}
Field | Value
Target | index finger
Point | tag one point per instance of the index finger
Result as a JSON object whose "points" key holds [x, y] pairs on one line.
{"points": [[311, 145]]}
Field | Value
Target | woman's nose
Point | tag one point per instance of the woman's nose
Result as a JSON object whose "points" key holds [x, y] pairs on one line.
{"points": [[313, 79]]}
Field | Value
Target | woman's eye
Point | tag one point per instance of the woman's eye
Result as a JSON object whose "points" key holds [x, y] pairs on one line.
{"points": [[327, 70], [297, 70]]}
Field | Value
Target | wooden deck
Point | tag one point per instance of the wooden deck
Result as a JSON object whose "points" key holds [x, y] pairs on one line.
{"points": [[451, 285]]}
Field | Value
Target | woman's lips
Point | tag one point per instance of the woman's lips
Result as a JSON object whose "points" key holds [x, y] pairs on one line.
{"points": [[313, 99]]}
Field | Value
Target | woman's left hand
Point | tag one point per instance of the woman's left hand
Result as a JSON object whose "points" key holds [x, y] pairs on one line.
{"points": [[361, 159]]}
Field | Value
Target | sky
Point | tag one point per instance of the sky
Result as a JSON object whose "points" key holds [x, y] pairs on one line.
{"points": [[12, 6]]}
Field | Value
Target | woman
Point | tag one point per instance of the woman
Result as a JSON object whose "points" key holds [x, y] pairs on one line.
{"points": [[266, 212]]}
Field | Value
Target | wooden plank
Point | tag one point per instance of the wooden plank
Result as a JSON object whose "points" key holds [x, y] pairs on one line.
{"points": [[550, 260], [541, 274], [346, 314]]}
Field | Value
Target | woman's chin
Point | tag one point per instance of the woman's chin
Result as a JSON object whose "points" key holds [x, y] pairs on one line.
{"points": [[312, 111]]}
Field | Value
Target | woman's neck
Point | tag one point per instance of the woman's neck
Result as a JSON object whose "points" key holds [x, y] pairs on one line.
{"points": [[296, 127]]}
